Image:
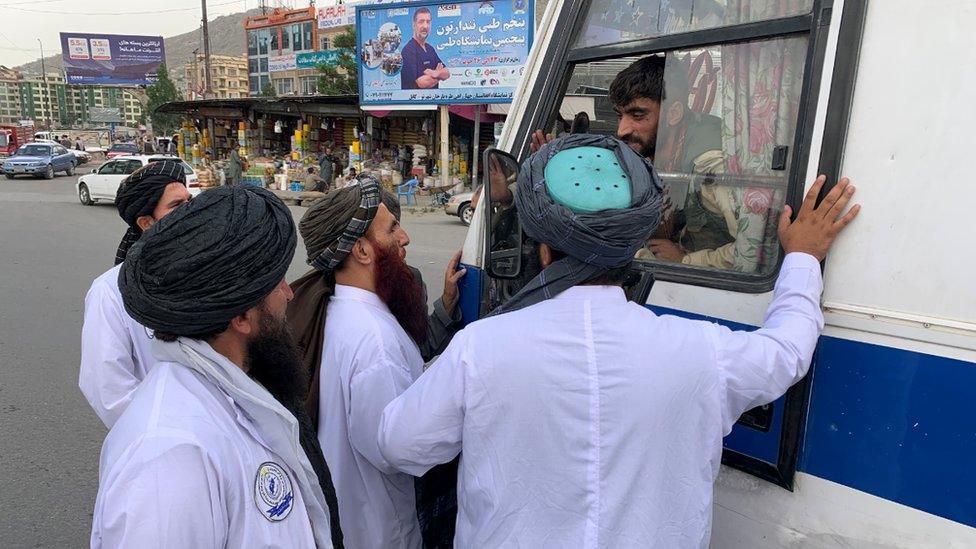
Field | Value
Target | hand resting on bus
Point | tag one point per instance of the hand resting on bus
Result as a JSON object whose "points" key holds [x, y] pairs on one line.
{"points": [[816, 226]]}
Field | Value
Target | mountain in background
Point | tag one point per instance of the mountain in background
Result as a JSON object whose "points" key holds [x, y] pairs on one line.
{"points": [[226, 38]]}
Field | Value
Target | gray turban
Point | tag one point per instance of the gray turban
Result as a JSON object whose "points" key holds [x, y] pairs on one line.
{"points": [[140, 193], [209, 261], [335, 222], [594, 242]]}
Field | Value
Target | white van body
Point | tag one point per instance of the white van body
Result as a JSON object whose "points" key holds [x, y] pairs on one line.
{"points": [[882, 433]]}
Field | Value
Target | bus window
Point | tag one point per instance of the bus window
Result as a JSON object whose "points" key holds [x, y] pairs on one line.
{"points": [[616, 21], [719, 124]]}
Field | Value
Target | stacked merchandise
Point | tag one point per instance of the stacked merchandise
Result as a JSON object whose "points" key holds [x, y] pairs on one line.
{"points": [[206, 177], [260, 172], [419, 161]]}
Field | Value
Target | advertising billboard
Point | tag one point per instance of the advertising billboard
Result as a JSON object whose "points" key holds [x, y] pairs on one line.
{"points": [[442, 52], [111, 58]]}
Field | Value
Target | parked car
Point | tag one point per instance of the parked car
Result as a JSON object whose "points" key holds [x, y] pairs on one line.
{"points": [[40, 159], [81, 157], [103, 182], [460, 205], [122, 149]]}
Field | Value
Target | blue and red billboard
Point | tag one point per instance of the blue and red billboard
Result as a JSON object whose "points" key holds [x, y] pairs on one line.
{"points": [[111, 58], [442, 51]]}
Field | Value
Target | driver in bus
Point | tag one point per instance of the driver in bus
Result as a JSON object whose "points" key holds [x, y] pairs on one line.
{"points": [[651, 100]]}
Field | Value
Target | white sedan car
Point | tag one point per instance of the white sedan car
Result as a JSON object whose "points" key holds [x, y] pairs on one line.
{"points": [[460, 205], [103, 182]]}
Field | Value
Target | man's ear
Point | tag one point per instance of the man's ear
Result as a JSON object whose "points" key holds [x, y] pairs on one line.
{"points": [[676, 111], [362, 251], [246, 323], [545, 255], [145, 221]]}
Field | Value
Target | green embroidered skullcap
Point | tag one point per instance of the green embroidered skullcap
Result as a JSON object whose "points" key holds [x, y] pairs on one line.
{"points": [[587, 180]]}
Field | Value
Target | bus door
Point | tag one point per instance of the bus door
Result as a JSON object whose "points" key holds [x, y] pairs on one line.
{"points": [[737, 85]]}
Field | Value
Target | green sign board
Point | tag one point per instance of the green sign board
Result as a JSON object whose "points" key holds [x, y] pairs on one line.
{"points": [[312, 59]]}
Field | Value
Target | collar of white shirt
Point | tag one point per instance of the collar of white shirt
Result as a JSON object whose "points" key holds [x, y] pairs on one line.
{"points": [[353, 293], [610, 294]]}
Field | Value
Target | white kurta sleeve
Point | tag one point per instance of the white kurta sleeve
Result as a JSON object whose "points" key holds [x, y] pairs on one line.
{"points": [[758, 367], [423, 426], [107, 375], [161, 497], [369, 392]]}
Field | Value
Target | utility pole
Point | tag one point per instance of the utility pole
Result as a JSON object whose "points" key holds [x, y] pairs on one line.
{"points": [[50, 115], [192, 87], [208, 91]]}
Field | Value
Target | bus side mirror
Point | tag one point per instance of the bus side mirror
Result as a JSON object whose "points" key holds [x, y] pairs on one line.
{"points": [[503, 232]]}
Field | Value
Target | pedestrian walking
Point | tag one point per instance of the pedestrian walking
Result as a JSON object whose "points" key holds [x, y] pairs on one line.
{"points": [[235, 168]]}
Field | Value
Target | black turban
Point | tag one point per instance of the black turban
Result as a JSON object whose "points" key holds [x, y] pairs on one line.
{"points": [[208, 261], [139, 194]]}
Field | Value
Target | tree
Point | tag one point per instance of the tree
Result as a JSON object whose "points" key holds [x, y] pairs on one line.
{"points": [[343, 77], [163, 91], [268, 91]]}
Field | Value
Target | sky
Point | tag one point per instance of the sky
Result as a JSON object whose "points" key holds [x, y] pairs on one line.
{"points": [[24, 21]]}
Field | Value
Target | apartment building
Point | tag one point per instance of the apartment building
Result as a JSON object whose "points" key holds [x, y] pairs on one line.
{"points": [[228, 76]]}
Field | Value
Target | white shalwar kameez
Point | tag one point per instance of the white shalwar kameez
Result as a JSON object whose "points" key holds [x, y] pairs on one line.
{"points": [[204, 456], [589, 421], [367, 360], [115, 349]]}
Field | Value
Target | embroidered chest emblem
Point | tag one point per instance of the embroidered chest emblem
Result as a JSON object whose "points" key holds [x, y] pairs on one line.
{"points": [[272, 491]]}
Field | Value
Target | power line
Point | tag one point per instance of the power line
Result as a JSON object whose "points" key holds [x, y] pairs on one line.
{"points": [[104, 14], [30, 2]]}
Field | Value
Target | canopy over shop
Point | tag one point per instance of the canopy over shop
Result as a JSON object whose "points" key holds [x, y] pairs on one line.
{"points": [[280, 137], [274, 136]]}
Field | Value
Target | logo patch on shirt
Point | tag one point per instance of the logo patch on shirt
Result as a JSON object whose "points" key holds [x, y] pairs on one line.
{"points": [[272, 491]]}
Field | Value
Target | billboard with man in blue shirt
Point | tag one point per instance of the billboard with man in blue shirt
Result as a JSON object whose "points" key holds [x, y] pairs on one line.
{"points": [[453, 52], [422, 68]]}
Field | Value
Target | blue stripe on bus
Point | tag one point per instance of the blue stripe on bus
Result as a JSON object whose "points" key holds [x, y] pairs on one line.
{"points": [[469, 290], [897, 424]]}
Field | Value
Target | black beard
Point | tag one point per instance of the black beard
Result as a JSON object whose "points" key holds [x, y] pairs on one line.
{"points": [[647, 150], [274, 361]]}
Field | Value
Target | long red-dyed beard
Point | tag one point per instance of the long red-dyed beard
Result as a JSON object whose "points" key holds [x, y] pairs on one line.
{"points": [[402, 293]]}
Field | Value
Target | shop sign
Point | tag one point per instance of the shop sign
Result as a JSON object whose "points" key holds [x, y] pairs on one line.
{"points": [[473, 53], [331, 17], [278, 63], [312, 59], [340, 15]]}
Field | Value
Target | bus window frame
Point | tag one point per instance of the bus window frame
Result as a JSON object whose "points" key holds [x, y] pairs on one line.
{"points": [[553, 81], [814, 25]]}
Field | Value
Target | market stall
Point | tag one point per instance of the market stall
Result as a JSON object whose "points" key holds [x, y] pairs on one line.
{"points": [[276, 139]]}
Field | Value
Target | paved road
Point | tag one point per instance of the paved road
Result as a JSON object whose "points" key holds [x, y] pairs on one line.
{"points": [[51, 247]]}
